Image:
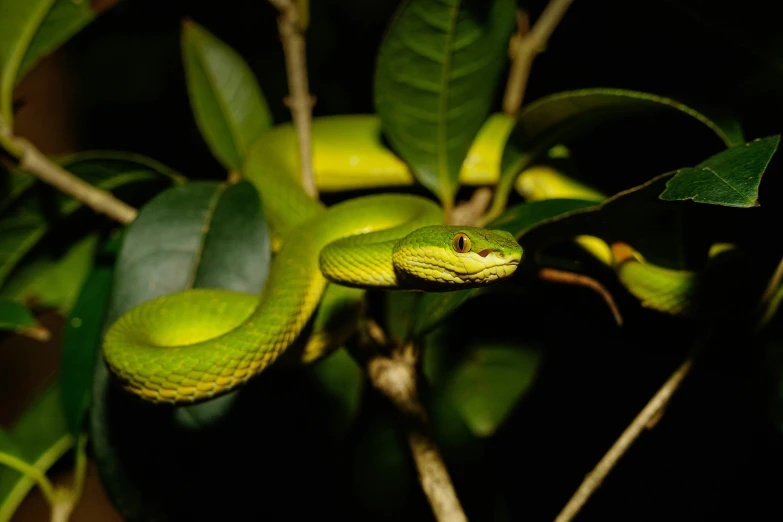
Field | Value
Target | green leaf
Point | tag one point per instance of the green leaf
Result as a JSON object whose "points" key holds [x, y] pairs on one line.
{"points": [[27, 223], [64, 19], [488, 383], [48, 281], [435, 307], [554, 118], [341, 381], [13, 185], [729, 178], [40, 437], [201, 234], [28, 31], [437, 70], [81, 342], [227, 102], [14, 316]]}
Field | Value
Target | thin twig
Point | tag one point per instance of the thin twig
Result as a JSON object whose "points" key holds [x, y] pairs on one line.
{"points": [[561, 276], [525, 47], [470, 212], [395, 377], [33, 161], [645, 418], [299, 101]]}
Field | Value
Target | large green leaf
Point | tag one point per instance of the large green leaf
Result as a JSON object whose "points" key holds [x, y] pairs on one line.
{"points": [[435, 307], [40, 437], [729, 178], [559, 116], [28, 31], [48, 281], [437, 70], [227, 102], [23, 226], [64, 19]]}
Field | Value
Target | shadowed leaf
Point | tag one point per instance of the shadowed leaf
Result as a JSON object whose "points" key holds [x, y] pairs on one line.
{"points": [[437, 70], [548, 120], [729, 178]]}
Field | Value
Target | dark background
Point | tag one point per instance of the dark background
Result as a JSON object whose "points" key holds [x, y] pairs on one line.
{"points": [[717, 452]]}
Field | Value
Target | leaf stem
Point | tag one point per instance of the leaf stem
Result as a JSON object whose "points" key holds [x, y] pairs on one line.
{"points": [[292, 26], [32, 160], [645, 419], [524, 48], [572, 278], [33, 473]]}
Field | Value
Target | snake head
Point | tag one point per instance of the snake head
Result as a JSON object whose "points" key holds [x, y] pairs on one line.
{"points": [[450, 257]]}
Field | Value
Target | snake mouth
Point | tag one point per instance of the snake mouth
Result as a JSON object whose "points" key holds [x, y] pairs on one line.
{"points": [[514, 259]]}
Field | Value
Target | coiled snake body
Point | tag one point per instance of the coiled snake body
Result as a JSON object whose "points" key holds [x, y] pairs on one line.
{"points": [[200, 343]]}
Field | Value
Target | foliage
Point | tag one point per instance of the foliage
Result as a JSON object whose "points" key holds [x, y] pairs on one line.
{"points": [[656, 199]]}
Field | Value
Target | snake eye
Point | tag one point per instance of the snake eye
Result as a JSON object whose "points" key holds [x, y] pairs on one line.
{"points": [[461, 243]]}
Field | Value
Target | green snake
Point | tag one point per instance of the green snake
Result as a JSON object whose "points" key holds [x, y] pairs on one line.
{"points": [[200, 343]]}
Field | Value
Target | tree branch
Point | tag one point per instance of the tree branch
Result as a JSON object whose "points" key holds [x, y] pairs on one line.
{"points": [[469, 212], [646, 418], [395, 377], [292, 26], [524, 48], [33, 161]]}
